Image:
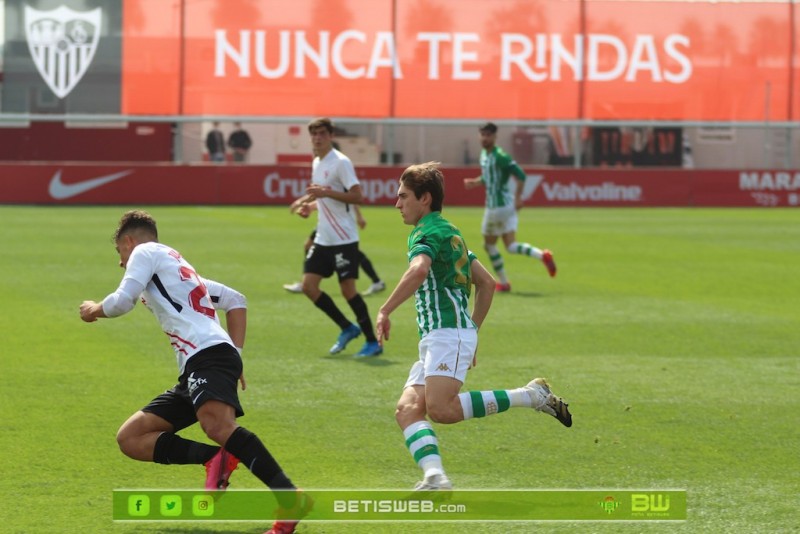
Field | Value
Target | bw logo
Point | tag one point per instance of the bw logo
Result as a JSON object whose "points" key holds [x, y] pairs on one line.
{"points": [[642, 502], [62, 43]]}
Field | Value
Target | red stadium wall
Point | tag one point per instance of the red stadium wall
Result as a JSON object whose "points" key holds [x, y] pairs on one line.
{"points": [[54, 141], [138, 184]]}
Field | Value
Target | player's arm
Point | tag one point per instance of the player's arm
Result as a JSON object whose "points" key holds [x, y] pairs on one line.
{"points": [[117, 303], [351, 196], [409, 283], [303, 206], [520, 176], [484, 284], [360, 220], [234, 305], [471, 183]]}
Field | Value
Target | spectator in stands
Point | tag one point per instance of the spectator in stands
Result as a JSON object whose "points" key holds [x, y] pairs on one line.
{"points": [[215, 144], [240, 142]]}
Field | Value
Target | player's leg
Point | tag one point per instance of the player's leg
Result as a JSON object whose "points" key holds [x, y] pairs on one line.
{"points": [[347, 270], [450, 352], [366, 265], [149, 435], [526, 249], [359, 307], [536, 394], [214, 382], [489, 229], [218, 420], [448, 355], [297, 287], [323, 301], [420, 438], [321, 263], [496, 259], [432, 390], [442, 401], [138, 435]]}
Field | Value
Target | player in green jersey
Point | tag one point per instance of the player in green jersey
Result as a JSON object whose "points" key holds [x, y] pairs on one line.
{"points": [[440, 276], [500, 216]]}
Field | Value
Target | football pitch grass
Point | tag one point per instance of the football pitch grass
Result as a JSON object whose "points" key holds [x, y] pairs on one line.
{"points": [[672, 333]]}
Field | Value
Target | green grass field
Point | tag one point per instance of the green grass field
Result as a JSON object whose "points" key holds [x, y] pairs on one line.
{"points": [[673, 333]]}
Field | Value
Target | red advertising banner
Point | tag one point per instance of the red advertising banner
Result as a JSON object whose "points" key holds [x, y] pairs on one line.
{"points": [[137, 184], [463, 59]]}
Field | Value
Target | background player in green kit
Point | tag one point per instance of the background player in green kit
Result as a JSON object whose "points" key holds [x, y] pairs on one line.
{"points": [[500, 216], [440, 275]]}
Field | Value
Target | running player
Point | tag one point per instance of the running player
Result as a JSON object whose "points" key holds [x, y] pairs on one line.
{"points": [[500, 216], [440, 274], [209, 364]]}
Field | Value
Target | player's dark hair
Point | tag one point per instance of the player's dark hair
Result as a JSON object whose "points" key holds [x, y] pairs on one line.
{"points": [[489, 127], [425, 178], [324, 122], [136, 221]]}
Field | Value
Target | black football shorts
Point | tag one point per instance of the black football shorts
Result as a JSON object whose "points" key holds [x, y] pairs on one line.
{"points": [[344, 260], [212, 373]]}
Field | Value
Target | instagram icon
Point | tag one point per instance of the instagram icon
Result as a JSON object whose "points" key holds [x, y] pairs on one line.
{"points": [[203, 505]]}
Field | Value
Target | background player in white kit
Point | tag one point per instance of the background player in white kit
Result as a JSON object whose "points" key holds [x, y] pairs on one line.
{"points": [[333, 190], [209, 365]]}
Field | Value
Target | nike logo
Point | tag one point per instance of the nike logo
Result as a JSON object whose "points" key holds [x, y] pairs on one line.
{"points": [[61, 191]]}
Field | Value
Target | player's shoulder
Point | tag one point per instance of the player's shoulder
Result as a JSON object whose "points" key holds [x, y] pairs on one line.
{"points": [[436, 226], [155, 250], [342, 160], [338, 154], [155, 246], [150, 248], [501, 154]]}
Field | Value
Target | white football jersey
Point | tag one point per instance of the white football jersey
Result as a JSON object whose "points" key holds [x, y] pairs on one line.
{"points": [[335, 223], [178, 297]]}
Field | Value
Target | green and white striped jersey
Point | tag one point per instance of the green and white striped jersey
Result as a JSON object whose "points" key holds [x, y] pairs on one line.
{"points": [[496, 170], [442, 301]]}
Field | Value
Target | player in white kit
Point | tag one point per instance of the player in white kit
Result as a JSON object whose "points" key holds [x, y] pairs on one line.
{"points": [[333, 191], [209, 363]]}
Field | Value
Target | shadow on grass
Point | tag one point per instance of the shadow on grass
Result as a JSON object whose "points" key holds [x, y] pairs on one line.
{"points": [[374, 361], [523, 294], [208, 530]]}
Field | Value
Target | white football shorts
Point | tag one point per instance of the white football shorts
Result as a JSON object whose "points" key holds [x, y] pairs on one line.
{"points": [[499, 221], [444, 352]]}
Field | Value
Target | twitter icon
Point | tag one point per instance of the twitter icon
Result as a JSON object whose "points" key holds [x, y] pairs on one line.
{"points": [[171, 505]]}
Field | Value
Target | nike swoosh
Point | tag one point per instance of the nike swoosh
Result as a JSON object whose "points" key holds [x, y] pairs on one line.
{"points": [[60, 191]]}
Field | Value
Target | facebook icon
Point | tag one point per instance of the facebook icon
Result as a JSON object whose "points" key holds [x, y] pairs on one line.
{"points": [[138, 505]]}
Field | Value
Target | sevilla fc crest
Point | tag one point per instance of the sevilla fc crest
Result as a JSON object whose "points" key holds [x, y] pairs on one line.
{"points": [[62, 43]]}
